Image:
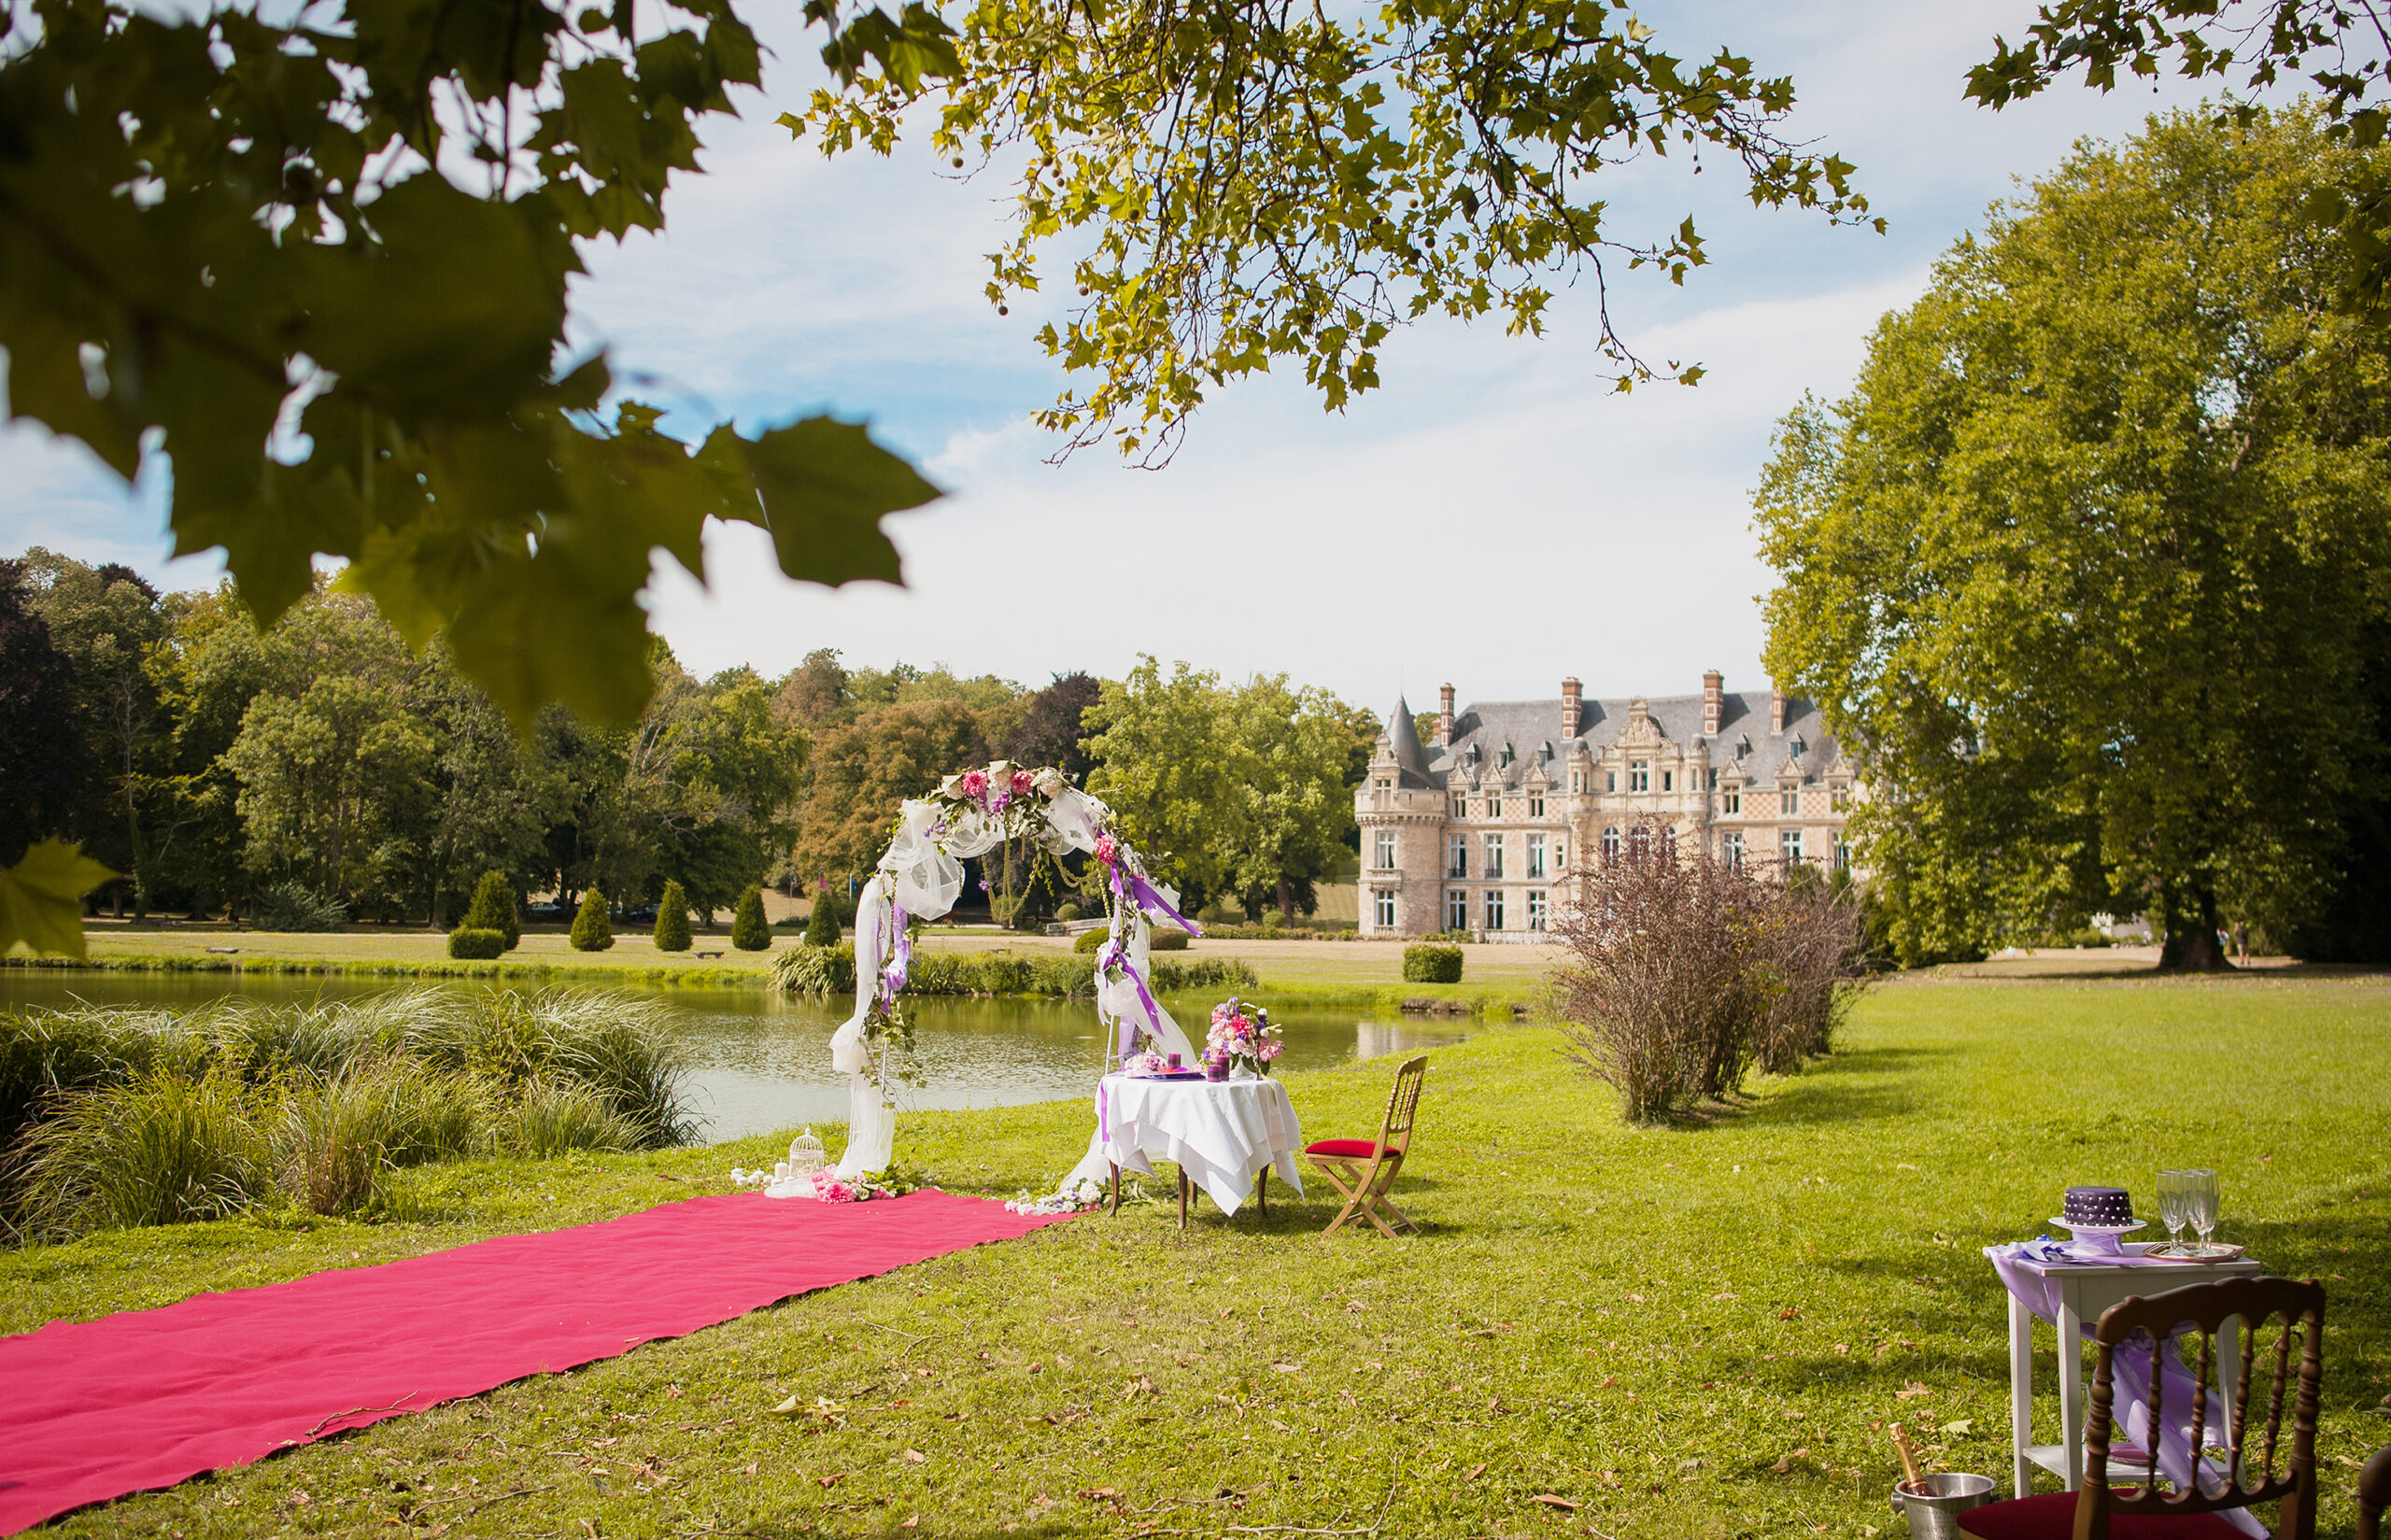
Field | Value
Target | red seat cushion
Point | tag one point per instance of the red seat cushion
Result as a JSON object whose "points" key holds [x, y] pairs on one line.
{"points": [[1343, 1149], [2051, 1516]]}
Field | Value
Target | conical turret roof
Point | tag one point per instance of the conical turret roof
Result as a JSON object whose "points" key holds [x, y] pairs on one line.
{"points": [[1402, 736]]}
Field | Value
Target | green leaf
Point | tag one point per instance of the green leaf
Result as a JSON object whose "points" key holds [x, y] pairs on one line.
{"points": [[41, 899], [824, 486]]}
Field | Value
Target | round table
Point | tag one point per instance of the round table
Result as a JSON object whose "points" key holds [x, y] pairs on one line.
{"points": [[1224, 1136]]}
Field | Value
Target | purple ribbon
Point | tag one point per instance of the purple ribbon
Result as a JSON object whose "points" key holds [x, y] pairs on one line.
{"points": [[1112, 952], [1143, 894], [900, 962]]}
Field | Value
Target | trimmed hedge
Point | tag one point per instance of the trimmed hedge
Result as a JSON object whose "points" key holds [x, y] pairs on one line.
{"points": [[822, 925], [477, 942], [591, 930], [673, 919], [749, 930], [493, 908], [1160, 940], [1424, 963], [831, 971]]}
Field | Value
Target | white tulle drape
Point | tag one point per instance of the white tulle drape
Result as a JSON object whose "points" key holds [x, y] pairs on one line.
{"points": [[920, 878]]}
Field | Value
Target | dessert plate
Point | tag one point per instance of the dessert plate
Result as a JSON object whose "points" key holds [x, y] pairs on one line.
{"points": [[2192, 1251]]}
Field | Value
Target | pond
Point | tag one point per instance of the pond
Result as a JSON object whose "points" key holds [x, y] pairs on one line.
{"points": [[762, 1060]]}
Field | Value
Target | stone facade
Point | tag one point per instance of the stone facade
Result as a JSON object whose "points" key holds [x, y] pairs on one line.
{"points": [[1476, 828]]}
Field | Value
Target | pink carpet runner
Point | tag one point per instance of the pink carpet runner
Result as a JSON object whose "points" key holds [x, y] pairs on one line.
{"points": [[94, 1410]]}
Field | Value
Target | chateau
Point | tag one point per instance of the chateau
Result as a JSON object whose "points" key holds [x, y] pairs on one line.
{"points": [[1474, 829]]}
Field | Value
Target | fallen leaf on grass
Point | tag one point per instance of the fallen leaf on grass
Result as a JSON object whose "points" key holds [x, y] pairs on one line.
{"points": [[1787, 1313], [1912, 1388], [915, 1457], [913, 1523], [1783, 1465], [1288, 1368], [1551, 1501], [1475, 1472], [787, 1409], [749, 1471], [1965, 1425], [829, 1481]]}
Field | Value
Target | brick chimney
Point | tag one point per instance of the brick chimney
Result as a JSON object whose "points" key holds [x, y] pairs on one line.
{"points": [[1713, 704], [1775, 706], [1445, 714], [1572, 707]]}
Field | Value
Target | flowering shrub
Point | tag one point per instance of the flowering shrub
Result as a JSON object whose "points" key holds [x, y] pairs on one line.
{"points": [[1243, 1036]]}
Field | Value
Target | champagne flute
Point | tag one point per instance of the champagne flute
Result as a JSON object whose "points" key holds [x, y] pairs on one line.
{"points": [[2174, 1205], [2203, 1202]]}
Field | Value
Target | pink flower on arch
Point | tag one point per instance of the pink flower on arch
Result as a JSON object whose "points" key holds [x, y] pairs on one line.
{"points": [[1023, 782], [1107, 849], [974, 784]]}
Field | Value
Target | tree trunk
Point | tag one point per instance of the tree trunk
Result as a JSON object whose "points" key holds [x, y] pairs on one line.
{"points": [[2191, 945], [1286, 902]]}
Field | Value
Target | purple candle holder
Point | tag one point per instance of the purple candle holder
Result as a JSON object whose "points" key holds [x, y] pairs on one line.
{"points": [[1174, 1061], [1216, 1071]]}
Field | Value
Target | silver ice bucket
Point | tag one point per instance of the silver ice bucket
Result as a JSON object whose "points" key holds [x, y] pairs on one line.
{"points": [[1934, 1513]]}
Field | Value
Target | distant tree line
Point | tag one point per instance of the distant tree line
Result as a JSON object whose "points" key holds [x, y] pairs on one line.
{"points": [[209, 763]]}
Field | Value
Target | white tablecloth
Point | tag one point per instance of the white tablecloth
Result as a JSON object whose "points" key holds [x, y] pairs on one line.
{"points": [[1221, 1133]]}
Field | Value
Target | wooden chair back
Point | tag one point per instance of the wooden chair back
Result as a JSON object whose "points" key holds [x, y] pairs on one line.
{"points": [[2281, 1310], [1402, 1103], [2373, 1494]]}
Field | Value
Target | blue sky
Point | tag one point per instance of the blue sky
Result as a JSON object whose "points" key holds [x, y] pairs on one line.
{"points": [[1494, 516]]}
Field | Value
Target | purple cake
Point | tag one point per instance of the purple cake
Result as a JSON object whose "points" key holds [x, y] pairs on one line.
{"points": [[2091, 1206]]}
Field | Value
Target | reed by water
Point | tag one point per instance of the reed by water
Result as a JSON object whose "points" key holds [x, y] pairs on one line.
{"points": [[114, 1116]]}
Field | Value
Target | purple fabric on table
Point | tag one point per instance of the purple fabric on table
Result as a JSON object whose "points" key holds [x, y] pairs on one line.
{"points": [[2129, 1370]]}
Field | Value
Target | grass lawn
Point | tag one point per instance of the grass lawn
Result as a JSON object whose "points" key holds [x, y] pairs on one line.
{"points": [[1690, 1332]]}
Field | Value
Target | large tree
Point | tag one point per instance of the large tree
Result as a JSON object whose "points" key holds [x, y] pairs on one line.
{"points": [[862, 772], [2084, 566], [41, 738]]}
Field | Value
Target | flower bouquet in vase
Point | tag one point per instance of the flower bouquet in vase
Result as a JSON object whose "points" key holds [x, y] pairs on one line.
{"points": [[1242, 1042]]}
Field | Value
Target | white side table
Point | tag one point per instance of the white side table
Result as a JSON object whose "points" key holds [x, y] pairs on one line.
{"points": [[2084, 1290]]}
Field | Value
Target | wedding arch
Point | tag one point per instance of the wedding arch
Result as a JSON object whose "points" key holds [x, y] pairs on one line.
{"points": [[921, 877]]}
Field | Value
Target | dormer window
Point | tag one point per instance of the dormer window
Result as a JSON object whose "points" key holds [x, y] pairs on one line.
{"points": [[1790, 801], [1800, 746], [1493, 807], [1383, 784], [1640, 775], [1507, 756], [1461, 807]]}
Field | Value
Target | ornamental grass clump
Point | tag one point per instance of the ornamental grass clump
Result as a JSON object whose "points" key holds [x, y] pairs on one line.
{"points": [[1687, 970], [159, 1148], [114, 1118]]}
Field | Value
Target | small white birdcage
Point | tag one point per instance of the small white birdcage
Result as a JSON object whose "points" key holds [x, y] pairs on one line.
{"points": [[805, 1157]]}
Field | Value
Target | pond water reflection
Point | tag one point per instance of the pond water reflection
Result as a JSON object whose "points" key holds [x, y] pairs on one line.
{"points": [[762, 1060]]}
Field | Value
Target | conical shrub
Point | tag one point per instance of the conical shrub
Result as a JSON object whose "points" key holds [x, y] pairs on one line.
{"points": [[749, 930], [493, 908], [591, 930], [673, 919], [822, 926]]}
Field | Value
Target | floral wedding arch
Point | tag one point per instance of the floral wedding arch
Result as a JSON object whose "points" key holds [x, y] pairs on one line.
{"points": [[921, 877]]}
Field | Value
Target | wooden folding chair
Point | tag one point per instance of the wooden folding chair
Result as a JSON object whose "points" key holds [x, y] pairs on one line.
{"points": [[2243, 1469], [2373, 1494], [1364, 1170]]}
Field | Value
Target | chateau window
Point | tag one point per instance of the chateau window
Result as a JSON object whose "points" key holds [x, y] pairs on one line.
{"points": [[1457, 856], [1576, 779], [1493, 909], [1461, 807], [1639, 776], [1639, 841], [1386, 850], [1732, 799], [1493, 855], [1730, 850], [1610, 780], [1383, 785], [1791, 801], [1669, 844], [1714, 779], [1457, 910], [1789, 845], [1536, 910], [1839, 851], [1668, 779], [1493, 807], [1560, 855], [1536, 854], [1839, 798], [1610, 844], [1535, 807], [1386, 908]]}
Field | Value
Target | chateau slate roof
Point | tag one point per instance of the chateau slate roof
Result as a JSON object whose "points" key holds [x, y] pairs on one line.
{"points": [[1482, 730], [1402, 737]]}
